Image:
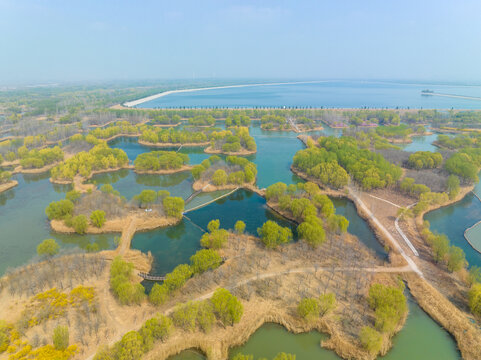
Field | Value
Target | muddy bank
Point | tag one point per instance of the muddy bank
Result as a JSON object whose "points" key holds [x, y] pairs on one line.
{"points": [[165, 171], [208, 187], [210, 150], [8, 185], [164, 145]]}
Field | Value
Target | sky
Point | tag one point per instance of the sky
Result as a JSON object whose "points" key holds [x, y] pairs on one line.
{"points": [[90, 40]]}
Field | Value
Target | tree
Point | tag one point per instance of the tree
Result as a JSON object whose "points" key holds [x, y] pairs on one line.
{"points": [[308, 309], [243, 357], [130, 347], [275, 191], [213, 225], [239, 227], [205, 315], [474, 274], [204, 260], [160, 327], [215, 239], [312, 231], [456, 258], [228, 308], [219, 177], [59, 210], [371, 340], [159, 294], [48, 248], [146, 197], [452, 186], [173, 206], [475, 299], [177, 278], [185, 316], [98, 218], [80, 224], [272, 234], [327, 303], [60, 337], [73, 195]]}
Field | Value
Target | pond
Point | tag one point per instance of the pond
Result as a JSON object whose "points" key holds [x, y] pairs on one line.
{"points": [[24, 225], [420, 335]]}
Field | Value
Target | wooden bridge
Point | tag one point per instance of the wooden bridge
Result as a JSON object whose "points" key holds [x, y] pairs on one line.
{"points": [[150, 277], [191, 196]]}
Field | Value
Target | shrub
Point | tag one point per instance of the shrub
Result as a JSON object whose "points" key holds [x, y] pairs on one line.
{"points": [[60, 337], [371, 340], [308, 309], [48, 247], [80, 224], [98, 218]]}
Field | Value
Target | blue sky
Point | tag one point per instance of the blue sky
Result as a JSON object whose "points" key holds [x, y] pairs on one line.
{"points": [[104, 39]]}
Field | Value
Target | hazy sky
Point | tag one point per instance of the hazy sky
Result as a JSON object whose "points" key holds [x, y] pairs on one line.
{"points": [[103, 39]]}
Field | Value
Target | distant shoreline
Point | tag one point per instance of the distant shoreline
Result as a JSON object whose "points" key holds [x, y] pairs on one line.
{"points": [[133, 103]]}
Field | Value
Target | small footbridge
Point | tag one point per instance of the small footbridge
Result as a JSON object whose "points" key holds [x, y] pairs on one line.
{"points": [[150, 277]]}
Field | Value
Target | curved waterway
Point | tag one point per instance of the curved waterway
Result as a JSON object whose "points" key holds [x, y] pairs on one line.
{"points": [[24, 225], [420, 338]]}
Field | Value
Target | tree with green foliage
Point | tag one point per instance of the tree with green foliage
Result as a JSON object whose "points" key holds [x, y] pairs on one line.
{"points": [[371, 340], [327, 303], [185, 316], [173, 206], [204, 260], [205, 315], [121, 284], [59, 210], [272, 234], [275, 191], [474, 296], [389, 304], [60, 337], [308, 309], [452, 186], [159, 294], [178, 277], [159, 326], [425, 160], [146, 197], [80, 224], [130, 347], [219, 177], [227, 307], [48, 248], [239, 227], [312, 231], [162, 194], [97, 218], [456, 259], [73, 195], [213, 225], [463, 165]]}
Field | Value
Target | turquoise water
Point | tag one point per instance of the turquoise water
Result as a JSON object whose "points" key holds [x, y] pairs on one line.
{"points": [[454, 219], [128, 183], [420, 338], [175, 245], [24, 225], [421, 143], [331, 94]]}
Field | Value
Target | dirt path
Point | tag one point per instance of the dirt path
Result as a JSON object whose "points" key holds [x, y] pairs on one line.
{"points": [[283, 272], [391, 238]]}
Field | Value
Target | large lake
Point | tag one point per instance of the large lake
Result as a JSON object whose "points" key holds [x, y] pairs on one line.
{"points": [[330, 94]]}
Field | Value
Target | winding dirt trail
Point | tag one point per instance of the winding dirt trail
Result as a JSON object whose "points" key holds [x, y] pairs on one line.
{"points": [[266, 275]]}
